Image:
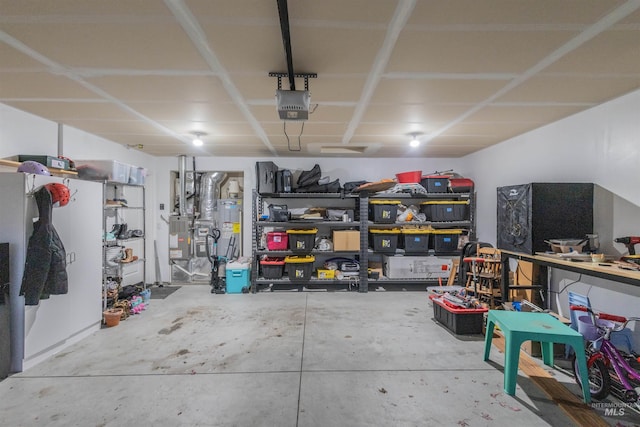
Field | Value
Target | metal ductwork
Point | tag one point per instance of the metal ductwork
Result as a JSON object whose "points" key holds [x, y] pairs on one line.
{"points": [[182, 170], [209, 194]]}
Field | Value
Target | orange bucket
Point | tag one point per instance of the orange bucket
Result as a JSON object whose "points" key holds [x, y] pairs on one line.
{"points": [[112, 316]]}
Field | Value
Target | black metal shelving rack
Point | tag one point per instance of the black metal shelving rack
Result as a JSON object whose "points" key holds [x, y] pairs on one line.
{"points": [[285, 283], [361, 200]]}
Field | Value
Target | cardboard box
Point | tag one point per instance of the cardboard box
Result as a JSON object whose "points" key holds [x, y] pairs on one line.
{"points": [[375, 267], [526, 274], [346, 240], [532, 348]]}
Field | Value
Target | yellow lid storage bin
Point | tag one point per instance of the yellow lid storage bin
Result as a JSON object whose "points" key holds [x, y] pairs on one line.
{"points": [[415, 240], [303, 240], [446, 210], [384, 239], [383, 211], [299, 268]]}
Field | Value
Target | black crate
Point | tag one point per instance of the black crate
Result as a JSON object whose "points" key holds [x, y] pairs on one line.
{"points": [[445, 243], [445, 210], [435, 184], [459, 321], [301, 241], [386, 242], [414, 242], [383, 213], [299, 269], [272, 268]]}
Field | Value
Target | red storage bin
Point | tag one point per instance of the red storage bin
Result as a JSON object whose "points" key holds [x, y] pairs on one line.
{"points": [[460, 321], [277, 241], [409, 177], [272, 268], [460, 185]]}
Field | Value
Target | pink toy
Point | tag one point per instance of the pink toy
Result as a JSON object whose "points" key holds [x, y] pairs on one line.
{"points": [[137, 305]]}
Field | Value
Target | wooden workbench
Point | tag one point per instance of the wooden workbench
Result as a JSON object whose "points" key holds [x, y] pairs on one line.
{"points": [[581, 265]]}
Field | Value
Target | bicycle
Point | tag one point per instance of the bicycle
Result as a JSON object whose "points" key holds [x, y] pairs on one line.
{"points": [[602, 355]]}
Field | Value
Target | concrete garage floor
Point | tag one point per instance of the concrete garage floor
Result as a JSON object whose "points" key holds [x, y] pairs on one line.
{"points": [[275, 359]]}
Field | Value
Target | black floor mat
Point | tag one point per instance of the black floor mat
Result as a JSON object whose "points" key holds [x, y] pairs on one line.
{"points": [[163, 292]]}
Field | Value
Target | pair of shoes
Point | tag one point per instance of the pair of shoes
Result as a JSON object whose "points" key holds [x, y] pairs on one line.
{"points": [[128, 256], [121, 232]]}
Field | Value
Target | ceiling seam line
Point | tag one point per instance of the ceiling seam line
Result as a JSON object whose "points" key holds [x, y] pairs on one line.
{"points": [[398, 22], [193, 30], [60, 70], [448, 76], [593, 30]]}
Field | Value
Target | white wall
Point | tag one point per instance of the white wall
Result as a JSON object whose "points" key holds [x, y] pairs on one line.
{"points": [[602, 146], [345, 169], [599, 145], [24, 133]]}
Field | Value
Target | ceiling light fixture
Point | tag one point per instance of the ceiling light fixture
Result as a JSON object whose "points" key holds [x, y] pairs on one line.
{"points": [[197, 141], [415, 142]]}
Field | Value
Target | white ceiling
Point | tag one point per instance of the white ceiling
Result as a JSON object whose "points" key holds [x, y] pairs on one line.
{"points": [[464, 74]]}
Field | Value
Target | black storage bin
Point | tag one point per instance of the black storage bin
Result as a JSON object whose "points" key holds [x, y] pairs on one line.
{"points": [[272, 268], [445, 241], [299, 268], [415, 241], [266, 177], [529, 214], [460, 321], [383, 211], [302, 240], [446, 210], [384, 240], [283, 181], [435, 183], [279, 213]]}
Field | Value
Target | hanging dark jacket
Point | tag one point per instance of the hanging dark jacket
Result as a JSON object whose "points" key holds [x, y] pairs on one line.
{"points": [[45, 268]]}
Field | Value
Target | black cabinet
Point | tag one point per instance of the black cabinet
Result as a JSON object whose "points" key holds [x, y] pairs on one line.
{"points": [[529, 214]]}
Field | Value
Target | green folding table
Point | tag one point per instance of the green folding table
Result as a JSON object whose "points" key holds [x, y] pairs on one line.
{"points": [[519, 327]]}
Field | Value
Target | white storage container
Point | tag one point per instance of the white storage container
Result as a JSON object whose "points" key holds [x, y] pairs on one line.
{"points": [[101, 170], [137, 175], [416, 267]]}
